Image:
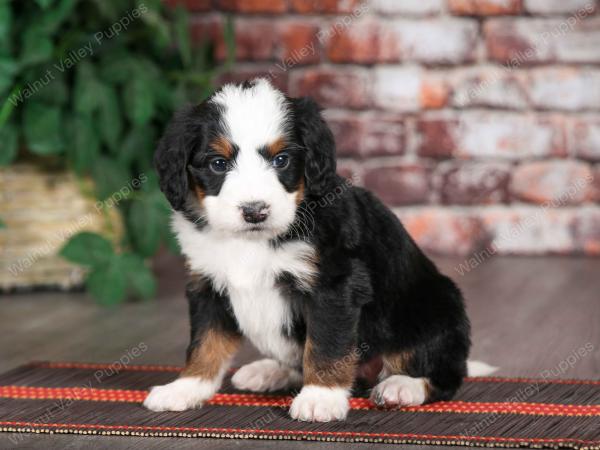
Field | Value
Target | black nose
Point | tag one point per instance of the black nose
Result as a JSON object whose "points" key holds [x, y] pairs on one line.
{"points": [[255, 212]]}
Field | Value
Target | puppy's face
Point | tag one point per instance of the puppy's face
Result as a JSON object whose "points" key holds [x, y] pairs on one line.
{"points": [[250, 176], [244, 160]]}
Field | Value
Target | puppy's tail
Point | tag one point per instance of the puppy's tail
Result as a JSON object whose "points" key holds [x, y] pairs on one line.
{"points": [[479, 368]]}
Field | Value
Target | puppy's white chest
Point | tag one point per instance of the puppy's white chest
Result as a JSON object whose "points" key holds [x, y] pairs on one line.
{"points": [[247, 271]]}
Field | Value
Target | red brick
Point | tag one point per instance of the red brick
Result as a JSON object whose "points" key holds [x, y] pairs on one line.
{"points": [[528, 230], [586, 231], [584, 138], [524, 41], [472, 183], [365, 135], [255, 40], [408, 7], [253, 6], [444, 231], [350, 170], [325, 6], [596, 188], [191, 5], [556, 183], [548, 7], [366, 42], [436, 41], [401, 88], [340, 87], [434, 93], [485, 7], [565, 88], [489, 86], [299, 42], [437, 137], [239, 74], [404, 184], [492, 135], [509, 136]]}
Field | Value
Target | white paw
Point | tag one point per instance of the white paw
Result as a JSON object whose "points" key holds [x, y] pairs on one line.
{"points": [[179, 395], [399, 390], [265, 375], [320, 404]]}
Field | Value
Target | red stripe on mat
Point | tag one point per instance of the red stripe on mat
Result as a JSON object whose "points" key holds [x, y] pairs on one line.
{"points": [[138, 396], [348, 434], [118, 367]]}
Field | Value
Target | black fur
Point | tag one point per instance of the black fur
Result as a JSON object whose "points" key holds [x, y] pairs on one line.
{"points": [[376, 291]]}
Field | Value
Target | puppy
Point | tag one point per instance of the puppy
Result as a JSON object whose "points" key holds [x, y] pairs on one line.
{"points": [[318, 274]]}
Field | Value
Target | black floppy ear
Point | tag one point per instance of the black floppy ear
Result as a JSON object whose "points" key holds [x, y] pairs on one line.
{"points": [[314, 134], [183, 134]]}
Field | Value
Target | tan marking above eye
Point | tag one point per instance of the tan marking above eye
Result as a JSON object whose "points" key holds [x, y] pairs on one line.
{"points": [[276, 146], [222, 146]]}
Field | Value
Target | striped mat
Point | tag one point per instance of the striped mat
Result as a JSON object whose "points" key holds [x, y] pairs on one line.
{"points": [[81, 398]]}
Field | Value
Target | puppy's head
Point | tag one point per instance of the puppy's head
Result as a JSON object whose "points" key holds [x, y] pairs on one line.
{"points": [[244, 160]]}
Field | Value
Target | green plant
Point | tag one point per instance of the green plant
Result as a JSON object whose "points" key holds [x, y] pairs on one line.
{"points": [[90, 84]]}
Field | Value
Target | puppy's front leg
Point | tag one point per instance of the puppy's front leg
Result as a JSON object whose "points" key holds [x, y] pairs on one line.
{"points": [[202, 376], [329, 366], [215, 340]]}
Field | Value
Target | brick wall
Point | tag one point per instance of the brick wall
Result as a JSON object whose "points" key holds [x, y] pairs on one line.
{"points": [[478, 121]]}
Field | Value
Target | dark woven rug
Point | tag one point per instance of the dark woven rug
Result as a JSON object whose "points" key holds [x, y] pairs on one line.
{"points": [[103, 399]]}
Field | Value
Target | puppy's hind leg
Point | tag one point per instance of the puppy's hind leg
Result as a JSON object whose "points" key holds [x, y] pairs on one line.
{"points": [[407, 380], [395, 387], [266, 375]]}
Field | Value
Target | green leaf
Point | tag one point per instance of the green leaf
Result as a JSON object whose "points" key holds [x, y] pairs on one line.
{"points": [[229, 38], [140, 277], [108, 284], [110, 123], [138, 145], [171, 241], [5, 19], [158, 24], [88, 249], [52, 19], [87, 92], [37, 46], [44, 4], [2, 224], [8, 69], [110, 177], [9, 138], [139, 100], [84, 146], [43, 128], [146, 220], [55, 92], [107, 9], [119, 67], [182, 32]]}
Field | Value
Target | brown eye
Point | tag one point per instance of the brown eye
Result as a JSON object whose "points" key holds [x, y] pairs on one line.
{"points": [[281, 161], [218, 165]]}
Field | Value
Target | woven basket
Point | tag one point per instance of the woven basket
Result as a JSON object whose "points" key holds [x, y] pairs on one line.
{"points": [[41, 210]]}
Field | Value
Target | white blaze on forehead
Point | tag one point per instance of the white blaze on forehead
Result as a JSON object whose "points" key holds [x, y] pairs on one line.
{"points": [[254, 116]]}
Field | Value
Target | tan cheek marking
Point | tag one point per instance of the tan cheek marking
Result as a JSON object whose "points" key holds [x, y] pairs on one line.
{"points": [[300, 193], [214, 349], [336, 373], [200, 194]]}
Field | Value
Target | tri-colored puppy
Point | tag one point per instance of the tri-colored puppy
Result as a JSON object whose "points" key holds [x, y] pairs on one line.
{"points": [[319, 275]]}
